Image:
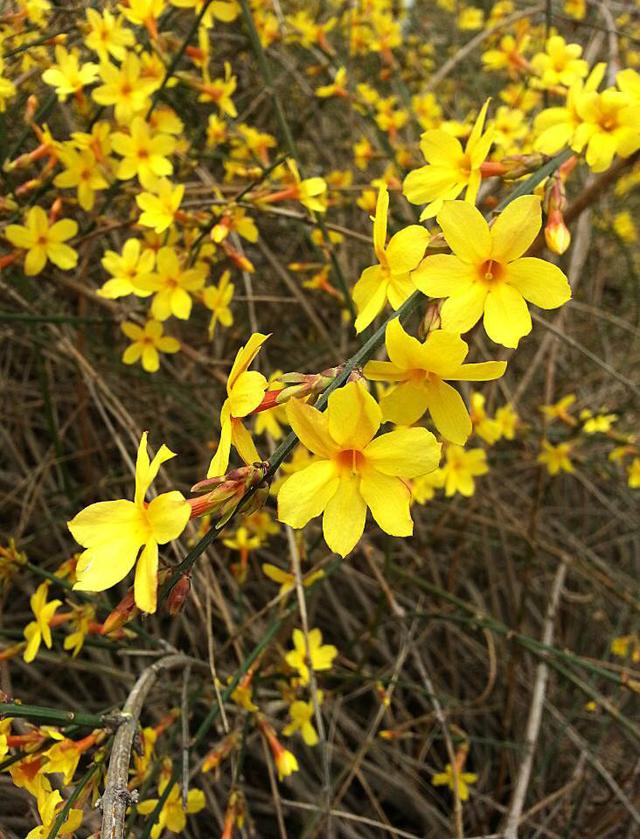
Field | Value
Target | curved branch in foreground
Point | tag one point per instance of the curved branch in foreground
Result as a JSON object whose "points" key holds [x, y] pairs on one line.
{"points": [[116, 795]]}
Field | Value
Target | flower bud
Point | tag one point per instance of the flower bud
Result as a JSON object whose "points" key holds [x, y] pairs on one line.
{"points": [[178, 595]]}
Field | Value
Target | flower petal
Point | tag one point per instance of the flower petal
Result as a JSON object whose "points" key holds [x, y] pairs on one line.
{"points": [[168, 515], [354, 416], [463, 311], [515, 228], [311, 428], [483, 371], [306, 493], [466, 231], [406, 248], [344, 516], [405, 404], [405, 452], [388, 499], [146, 579], [506, 316], [541, 283], [443, 274], [448, 412], [246, 393]]}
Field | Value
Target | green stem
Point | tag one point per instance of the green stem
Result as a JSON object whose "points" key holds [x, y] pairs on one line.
{"points": [[41, 714]]}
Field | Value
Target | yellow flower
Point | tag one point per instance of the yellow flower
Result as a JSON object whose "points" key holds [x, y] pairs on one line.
{"points": [[242, 695], [39, 630], [49, 805], [124, 87], [67, 75], [560, 63], [626, 646], [555, 458], [43, 241], [224, 10], [391, 279], [143, 154], [217, 298], [337, 88], [7, 88], [83, 172], [485, 427], [172, 816], [487, 273], [633, 474], [107, 35], [560, 410], [460, 468], [128, 270], [81, 619], [160, 206], [598, 424], [609, 126], [507, 420], [320, 655], [112, 532], [144, 13], [219, 91], [353, 471], [301, 714], [424, 488], [148, 341], [172, 285], [422, 371], [286, 763], [448, 779], [450, 168], [245, 390], [625, 227], [286, 580], [556, 127]]}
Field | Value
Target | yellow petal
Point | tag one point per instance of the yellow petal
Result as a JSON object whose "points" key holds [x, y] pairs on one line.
{"points": [[403, 349], [515, 228], [460, 313], [145, 471], [388, 499], [466, 231], [220, 460], [104, 565], [440, 148], [369, 295], [344, 516], [168, 515], [506, 316], [354, 416], [244, 357], [383, 371], [406, 248], [405, 404], [97, 523], [311, 428], [246, 393], [442, 352], [448, 412], [146, 580], [34, 261], [541, 283], [306, 493], [380, 221], [405, 452], [483, 371], [443, 274], [243, 442]]}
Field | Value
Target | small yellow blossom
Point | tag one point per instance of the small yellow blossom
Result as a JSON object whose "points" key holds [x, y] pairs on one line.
{"points": [[626, 646], [556, 458], [460, 468], [148, 341], [301, 714], [81, 171], [43, 241], [447, 778], [128, 270], [171, 285], [421, 372], [625, 227], [217, 298], [124, 87], [598, 423], [245, 390], [107, 35], [144, 154], [39, 630], [320, 655], [633, 474], [483, 425], [160, 206], [173, 815], [68, 76], [450, 168], [112, 533], [286, 580], [391, 279], [559, 64], [49, 806]]}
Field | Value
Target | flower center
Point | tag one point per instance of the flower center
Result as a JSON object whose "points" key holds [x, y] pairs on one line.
{"points": [[491, 272], [465, 165], [350, 460]]}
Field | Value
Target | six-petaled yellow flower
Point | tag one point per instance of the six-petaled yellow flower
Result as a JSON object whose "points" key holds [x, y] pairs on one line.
{"points": [[43, 241], [320, 655], [353, 470], [113, 532], [487, 273]]}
